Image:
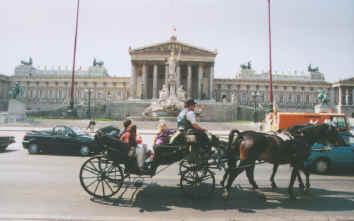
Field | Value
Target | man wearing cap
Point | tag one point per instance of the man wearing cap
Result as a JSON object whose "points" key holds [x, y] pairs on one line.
{"points": [[187, 120]]}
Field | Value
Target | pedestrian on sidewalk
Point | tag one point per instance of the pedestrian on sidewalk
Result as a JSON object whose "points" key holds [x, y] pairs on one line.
{"points": [[91, 125]]}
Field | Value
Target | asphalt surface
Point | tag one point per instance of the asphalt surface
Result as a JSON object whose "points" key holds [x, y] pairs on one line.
{"points": [[47, 187]]}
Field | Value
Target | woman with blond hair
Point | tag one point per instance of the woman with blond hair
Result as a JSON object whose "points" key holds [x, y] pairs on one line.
{"points": [[163, 133]]}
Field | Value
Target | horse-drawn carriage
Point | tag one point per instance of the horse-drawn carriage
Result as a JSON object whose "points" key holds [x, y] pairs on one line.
{"points": [[103, 175]]}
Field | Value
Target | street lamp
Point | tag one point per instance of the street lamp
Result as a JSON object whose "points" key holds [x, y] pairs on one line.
{"points": [[255, 94]]}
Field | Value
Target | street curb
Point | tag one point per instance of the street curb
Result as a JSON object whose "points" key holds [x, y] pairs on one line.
{"points": [[145, 218]]}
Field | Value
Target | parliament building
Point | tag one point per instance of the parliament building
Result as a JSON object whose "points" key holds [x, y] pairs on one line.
{"points": [[296, 91]]}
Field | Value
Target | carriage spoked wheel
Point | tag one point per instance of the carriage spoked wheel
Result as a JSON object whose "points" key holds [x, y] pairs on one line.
{"points": [[197, 182], [100, 177]]}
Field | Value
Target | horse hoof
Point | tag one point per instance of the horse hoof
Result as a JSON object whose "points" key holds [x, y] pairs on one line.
{"points": [[260, 195], [307, 191]]}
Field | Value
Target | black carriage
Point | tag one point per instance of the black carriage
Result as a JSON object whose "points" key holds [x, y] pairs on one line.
{"points": [[104, 175]]}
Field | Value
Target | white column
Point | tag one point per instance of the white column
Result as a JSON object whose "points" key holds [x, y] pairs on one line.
{"points": [[211, 82], [178, 80], [144, 79], [340, 96], [133, 82], [200, 80], [352, 96], [347, 96], [189, 82], [154, 87], [331, 96], [166, 74]]}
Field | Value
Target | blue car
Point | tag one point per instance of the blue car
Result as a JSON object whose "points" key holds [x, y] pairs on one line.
{"points": [[326, 158]]}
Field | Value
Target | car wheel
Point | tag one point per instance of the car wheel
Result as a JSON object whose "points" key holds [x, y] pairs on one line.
{"points": [[84, 151], [321, 166], [33, 148]]}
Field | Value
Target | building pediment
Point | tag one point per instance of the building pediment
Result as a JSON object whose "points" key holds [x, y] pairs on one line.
{"points": [[165, 49]]}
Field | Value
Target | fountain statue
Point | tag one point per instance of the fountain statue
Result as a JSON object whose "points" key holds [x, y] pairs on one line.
{"points": [[169, 103]]}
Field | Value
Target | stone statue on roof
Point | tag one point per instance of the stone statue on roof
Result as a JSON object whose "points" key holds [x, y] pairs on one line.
{"points": [[97, 63], [29, 63], [310, 69], [247, 66]]}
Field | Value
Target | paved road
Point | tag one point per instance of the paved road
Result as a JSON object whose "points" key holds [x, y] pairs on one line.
{"points": [[46, 187]]}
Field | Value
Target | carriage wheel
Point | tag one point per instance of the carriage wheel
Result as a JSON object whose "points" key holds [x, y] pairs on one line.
{"points": [[184, 166], [100, 178], [197, 182]]}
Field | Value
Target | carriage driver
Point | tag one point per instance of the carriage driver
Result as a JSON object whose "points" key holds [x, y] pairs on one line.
{"points": [[186, 120]]}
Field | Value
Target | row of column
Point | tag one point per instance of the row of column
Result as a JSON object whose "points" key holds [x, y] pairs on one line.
{"points": [[79, 93], [133, 81], [347, 96]]}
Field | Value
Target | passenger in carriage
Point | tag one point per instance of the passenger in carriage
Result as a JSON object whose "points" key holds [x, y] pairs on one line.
{"points": [[126, 124], [135, 143], [186, 120], [163, 133]]}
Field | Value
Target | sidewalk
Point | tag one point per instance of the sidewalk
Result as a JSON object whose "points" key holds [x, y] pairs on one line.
{"points": [[146, 127]]}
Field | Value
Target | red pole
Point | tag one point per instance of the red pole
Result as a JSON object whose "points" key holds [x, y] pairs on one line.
{"points": [[270, 58], [74, 57]]}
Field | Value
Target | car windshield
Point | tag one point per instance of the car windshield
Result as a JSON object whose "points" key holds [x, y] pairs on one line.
{"points": [[78, 131]]}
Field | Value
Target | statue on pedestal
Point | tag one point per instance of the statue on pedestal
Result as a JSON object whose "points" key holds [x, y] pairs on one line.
{"points": [[163, 93], [172, 62], [16, 91], [322, 97]]}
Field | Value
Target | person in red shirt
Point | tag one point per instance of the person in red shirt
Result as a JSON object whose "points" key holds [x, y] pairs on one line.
{"points": [[135, 144]]}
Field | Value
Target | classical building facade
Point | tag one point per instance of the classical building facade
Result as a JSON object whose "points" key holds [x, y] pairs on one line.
{"points": [[344, 96], [4, 89], [53, 86], [291, 91], [195, 74], [195, 69]]}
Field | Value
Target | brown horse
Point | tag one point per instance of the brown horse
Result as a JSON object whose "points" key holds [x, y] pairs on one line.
{"points": [[250, 146]]}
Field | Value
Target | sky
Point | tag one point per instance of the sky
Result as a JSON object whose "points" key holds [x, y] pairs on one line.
{"points": [[317, 32]]}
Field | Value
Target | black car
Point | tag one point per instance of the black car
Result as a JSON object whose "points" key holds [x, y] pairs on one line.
{"points": [[60, 139], [6, 141]]}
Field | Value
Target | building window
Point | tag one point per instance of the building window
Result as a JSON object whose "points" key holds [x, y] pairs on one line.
{"points": [[290, 99], [281, 99], [307, 99], [285, 87], [350, 97], [243, 99]]}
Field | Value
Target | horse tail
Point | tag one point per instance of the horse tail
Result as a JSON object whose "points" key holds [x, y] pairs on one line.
{"points": [[231, 137]]}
